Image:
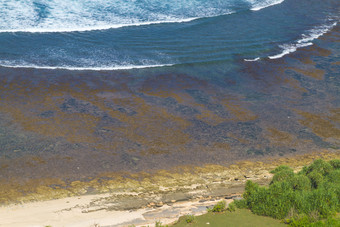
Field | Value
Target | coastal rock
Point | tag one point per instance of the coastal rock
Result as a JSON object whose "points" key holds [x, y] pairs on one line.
{"points": [[160, 204], [166, 186]]}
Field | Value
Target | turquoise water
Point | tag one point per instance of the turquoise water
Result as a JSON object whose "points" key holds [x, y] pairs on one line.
{"points": [[110, 35]]}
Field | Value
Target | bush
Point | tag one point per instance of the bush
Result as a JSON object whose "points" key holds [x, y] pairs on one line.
{"points": [[281, 168], [189, 218], [316, 178], [299, 199], [232, 207], [300, 182], [219, 207], [282, 175], [319, 166], [334, 177], [241, 204], [330, 222], [335, 163], [301, 220]]}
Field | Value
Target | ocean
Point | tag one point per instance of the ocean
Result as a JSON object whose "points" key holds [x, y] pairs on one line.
{"points": [[113, 35], [90, 87]]}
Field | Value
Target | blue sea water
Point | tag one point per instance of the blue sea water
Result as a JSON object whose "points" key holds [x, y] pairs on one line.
{"points": [[120, 34]]}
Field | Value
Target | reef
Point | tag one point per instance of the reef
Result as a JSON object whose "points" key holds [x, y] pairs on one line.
{"points": [[65, 133]]}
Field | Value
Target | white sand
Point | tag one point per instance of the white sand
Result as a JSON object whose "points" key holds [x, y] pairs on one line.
{"points": [[73, 212], [63, 212]]}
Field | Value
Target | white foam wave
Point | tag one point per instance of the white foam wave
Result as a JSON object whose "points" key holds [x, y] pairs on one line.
{"points": [[316, 33], [106, 68], [95, 28], [289, 48], [86, 15], [306, 40], [255, 59], [258, 5]]}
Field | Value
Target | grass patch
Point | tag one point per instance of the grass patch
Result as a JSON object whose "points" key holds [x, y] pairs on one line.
{"points": [[239, 218]]}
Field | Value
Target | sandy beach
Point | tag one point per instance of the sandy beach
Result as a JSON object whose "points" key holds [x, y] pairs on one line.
{"points": [[125, 208], [76, 212]]}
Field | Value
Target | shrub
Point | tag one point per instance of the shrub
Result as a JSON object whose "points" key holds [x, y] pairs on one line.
{"points": [[330, 222], [292, 213], [335, 163], [282, 175], [334, 176], [250, 189], [241, 204], [300, 182], [316, 178], [319, 166], [281, 168], [219, 207], [232, 207], [324, 201], [301, 220], [189, 218], [299, 199], [314, 216]]}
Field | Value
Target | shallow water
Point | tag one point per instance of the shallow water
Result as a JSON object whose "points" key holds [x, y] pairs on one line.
{"points": [[210, 104]]}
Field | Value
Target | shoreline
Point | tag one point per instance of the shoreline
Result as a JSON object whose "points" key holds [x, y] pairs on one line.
{"points": [[189, 192], [72, 212]]}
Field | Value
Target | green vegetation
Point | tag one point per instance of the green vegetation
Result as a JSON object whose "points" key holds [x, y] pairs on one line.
{"points": [[189, 218], [159, 224], [239, 218], [219, 207], [299, 199], [231, 207], [310, 197]]}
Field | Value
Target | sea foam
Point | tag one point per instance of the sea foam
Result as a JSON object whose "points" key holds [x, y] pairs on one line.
{"points": [[87, 15], [254, 59], [258, 5], [70, 68], [305, 40]]}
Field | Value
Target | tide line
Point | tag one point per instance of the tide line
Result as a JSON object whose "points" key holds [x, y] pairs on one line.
{"points": [[95, 28], [124, 67]]}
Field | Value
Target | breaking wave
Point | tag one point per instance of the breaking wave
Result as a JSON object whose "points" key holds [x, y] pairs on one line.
{"points": [[306, 40], [86, 15]]}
